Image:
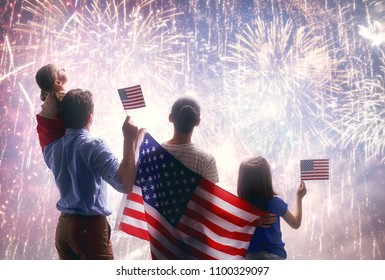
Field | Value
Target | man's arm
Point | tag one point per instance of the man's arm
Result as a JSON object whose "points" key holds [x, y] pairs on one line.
{"points": [[127, 168]]}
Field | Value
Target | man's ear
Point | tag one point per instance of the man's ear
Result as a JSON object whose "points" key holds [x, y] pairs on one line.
{"points": [[198, 122], [170, 118], [90, 119]]}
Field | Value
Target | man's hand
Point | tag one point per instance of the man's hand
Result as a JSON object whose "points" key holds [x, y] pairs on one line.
{"points": [[267, 220], [130, 131]]}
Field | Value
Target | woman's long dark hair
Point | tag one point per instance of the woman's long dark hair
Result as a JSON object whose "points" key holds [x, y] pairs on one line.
{"points": [[255, 182]]}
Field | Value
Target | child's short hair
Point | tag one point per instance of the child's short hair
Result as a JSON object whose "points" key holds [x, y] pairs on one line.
{"points": [[45, 79], [76, 108], [186, 114]]}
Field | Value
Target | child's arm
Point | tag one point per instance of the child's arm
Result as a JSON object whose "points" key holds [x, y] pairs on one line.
{"points": [[49, 109], [294, 220], [49, 125]]}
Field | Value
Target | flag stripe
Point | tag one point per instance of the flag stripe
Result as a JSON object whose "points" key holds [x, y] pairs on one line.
{"points": [[222, 208], [219, 211], [247, 209], [159, 231], [128, 228], [220, 222], [203, 237], [213, 231], [175, 240]]}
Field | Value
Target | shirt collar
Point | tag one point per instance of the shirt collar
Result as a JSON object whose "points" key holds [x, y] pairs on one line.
{"points": [[73, 131]]}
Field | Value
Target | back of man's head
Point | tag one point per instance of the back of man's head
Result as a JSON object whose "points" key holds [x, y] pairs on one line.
{"points": [[76, 108]]}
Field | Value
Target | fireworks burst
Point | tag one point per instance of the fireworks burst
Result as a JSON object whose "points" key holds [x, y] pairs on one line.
{"points": [[285, 73], [286, 79]]}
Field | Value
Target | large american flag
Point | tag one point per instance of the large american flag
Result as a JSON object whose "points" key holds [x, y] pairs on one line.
{"points": [[132, 97], [314, 169], [183, 215]]}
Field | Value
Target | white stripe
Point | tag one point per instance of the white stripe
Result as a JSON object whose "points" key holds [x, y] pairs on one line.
{"points": [[212, 235], [218, 220], [159, 236], [224, 204], [134, 222], [181, 236]]}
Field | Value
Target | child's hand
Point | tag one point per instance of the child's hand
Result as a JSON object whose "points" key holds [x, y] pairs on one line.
{"points": [[301, 192], [59, 95]]}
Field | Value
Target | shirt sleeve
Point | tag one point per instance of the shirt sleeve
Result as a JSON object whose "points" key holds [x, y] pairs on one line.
{"points": [[49, 130], [211, 171], [280, 206], [106, 164]]}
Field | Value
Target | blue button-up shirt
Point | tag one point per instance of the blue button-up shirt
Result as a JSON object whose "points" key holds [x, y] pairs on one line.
{"points": [[82, 166]]}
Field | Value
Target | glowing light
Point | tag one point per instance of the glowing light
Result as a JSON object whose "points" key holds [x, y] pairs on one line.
{"points": [[283, 79]]}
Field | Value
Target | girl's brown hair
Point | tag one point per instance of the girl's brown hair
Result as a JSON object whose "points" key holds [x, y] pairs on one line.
{"points": [[255, 182], [45, 79]]}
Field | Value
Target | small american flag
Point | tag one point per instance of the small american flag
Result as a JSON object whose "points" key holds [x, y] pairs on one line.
{"points": [[183, 215], [314, 169], [132, 97]]}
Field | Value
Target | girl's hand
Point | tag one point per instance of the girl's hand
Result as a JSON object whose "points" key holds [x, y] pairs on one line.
{"points": [[301, 192]]}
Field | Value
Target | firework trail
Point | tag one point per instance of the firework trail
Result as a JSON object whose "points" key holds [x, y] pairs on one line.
{"points": [[286, 79]]}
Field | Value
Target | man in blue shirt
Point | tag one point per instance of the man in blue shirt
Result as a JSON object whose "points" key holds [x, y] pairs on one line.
{"points": [[82, 166]]}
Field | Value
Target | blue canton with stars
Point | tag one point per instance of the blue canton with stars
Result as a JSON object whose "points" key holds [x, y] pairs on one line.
{"points": [[306, 165], [167, 185]]}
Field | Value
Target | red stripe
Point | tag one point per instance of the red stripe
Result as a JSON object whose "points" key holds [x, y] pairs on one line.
{"points": [[166, 234], [125, 103], [315, 172], [135, 197], [133, 88], [134, 214], [238, 221], [215, 228], [134, 94], [189, 250], [198, 235], [138, 232], [230, 198], [134, 99]]}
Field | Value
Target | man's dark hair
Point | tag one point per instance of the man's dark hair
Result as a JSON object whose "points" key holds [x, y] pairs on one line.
{"points": [[186, 114], [75, 108]]}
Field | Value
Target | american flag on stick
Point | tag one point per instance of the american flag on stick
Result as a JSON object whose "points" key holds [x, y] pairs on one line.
{"points": [[181, 214], [132, 97], [314, 169]]}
